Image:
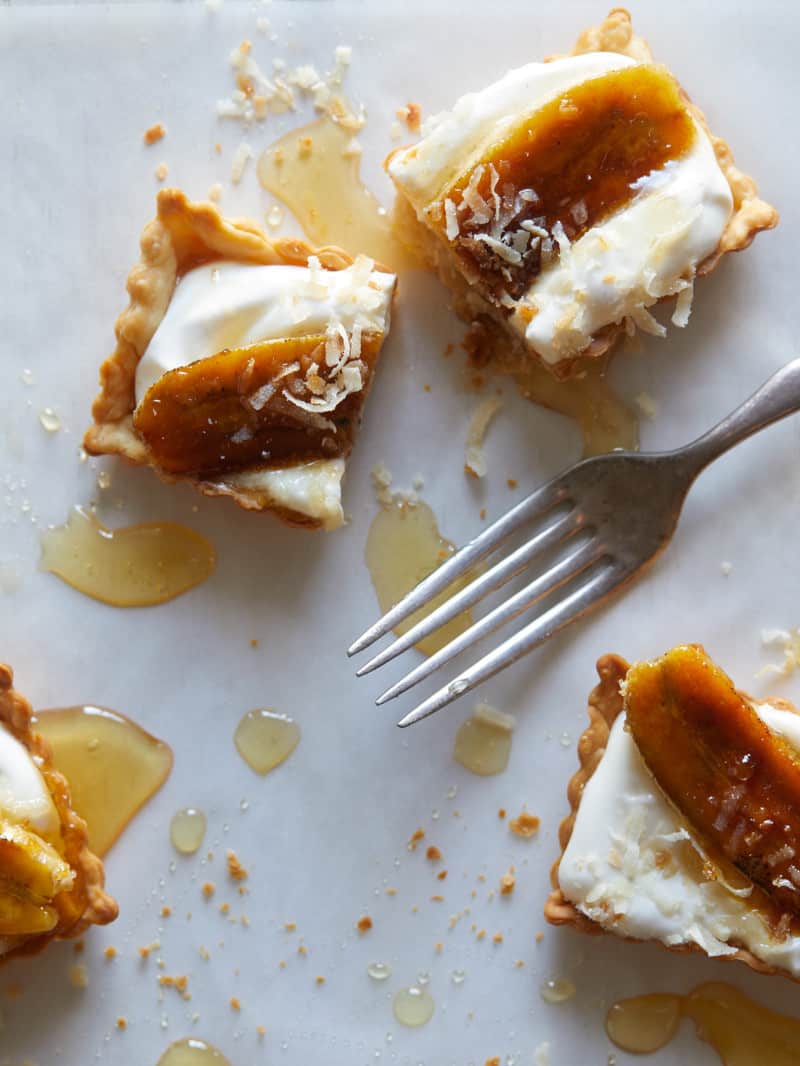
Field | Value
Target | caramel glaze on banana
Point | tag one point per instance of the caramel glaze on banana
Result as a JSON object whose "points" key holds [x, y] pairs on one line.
{"points": [[736, 782]]}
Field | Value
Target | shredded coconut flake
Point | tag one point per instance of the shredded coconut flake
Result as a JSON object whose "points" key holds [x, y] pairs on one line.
{"points": [[452, 229], [503, 251], [683, 306], [474, 457], [243, 154]]}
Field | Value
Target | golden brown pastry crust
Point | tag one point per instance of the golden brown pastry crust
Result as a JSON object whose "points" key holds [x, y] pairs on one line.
{"points": [[183, 235], [605, 703], [85, 903]]}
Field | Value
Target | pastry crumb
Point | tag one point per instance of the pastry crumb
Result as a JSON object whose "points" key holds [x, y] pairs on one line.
{"points": [[234, 1003], [208, 889], [442, 875], [122, 1022], [290, 927], [416, 836], [154, 133], [235, 868], [495, 1061], [437, 899], [411, 114], [501, 812], [364, 924], [525, 825], [78, 975], [539, 937], [215, 193], [507, 883], [166, 912], [161, 171], [319, 980], [261, 1032], [110, 952], [433, 854], [511, 482]]}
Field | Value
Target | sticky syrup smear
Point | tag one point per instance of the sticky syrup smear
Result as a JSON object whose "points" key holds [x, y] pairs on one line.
{"points": [[314, 170], [483, 741], [135, 566], [265, 739], [113, 766], [605, 422], [192, 1052], [404, 545], [742, 1032]]}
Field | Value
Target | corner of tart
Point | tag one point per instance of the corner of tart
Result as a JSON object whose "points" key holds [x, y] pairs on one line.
{"points": [[243, 363], [685, 821], [51, 884]]}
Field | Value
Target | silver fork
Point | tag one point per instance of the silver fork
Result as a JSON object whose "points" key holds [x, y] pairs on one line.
{"points": [[613, 514]]}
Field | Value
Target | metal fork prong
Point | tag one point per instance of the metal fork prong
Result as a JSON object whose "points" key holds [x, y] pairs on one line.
{"points": [[588, 596], [537, 504], [565, 570], [485, 583]]}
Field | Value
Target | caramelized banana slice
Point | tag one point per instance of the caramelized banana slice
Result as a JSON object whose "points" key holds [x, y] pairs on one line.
{"points": [[30, 865], [24, 917], [271, 404], [737, 783]]}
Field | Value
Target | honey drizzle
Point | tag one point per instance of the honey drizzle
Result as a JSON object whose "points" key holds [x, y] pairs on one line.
{"points": [[314, 170], [135, 566], [265, 739], [404, 545], [605, 421], [483, 742], [112, 765], [192, 1052], [741, 1031]]}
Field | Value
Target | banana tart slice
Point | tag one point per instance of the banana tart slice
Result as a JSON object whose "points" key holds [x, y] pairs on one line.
{"points": [[685, 820], [51, 884], [562, 202], [242, 363]]}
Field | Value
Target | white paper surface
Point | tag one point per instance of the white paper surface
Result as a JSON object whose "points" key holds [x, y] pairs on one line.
{"points": [[326, 834]]}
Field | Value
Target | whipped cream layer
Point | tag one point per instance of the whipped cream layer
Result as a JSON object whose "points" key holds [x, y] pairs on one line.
{"points": [[233, 305], [24, 796], [633, 865], [646, 250]]}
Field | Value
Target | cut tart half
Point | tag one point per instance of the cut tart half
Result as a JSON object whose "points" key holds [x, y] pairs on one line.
{"points": [[564, 201], [684, 826], [51, 884], [242, 363]]}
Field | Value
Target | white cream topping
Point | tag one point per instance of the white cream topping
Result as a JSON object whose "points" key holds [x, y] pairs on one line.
{"points": [[24, 797], [631, 864], [618, 268], [312, 489], [232, 305]]}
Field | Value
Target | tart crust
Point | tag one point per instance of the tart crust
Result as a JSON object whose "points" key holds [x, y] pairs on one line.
{"points": [[85, 903], [605, 703], [750, 215], [184, 235]]}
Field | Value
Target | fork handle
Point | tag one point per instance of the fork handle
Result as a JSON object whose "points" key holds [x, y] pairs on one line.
{"points": [[777, 398]]}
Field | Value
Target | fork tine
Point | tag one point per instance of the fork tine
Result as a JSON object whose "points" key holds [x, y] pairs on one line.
{"points": [[567, 569], [588, 596], [538, 503], [494, 578]]}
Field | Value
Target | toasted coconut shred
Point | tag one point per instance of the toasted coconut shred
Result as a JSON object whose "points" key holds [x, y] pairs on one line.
{"points": [[474, 457]]}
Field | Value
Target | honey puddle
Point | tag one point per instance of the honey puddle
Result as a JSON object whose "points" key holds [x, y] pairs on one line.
{"points": [[605, 422], [741, 1031], [136, 566], [404, 545], [314, 171], [265, 739], [112, 765], [413, 1006], [483, 741], [187, 830], [192, 1052]]}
